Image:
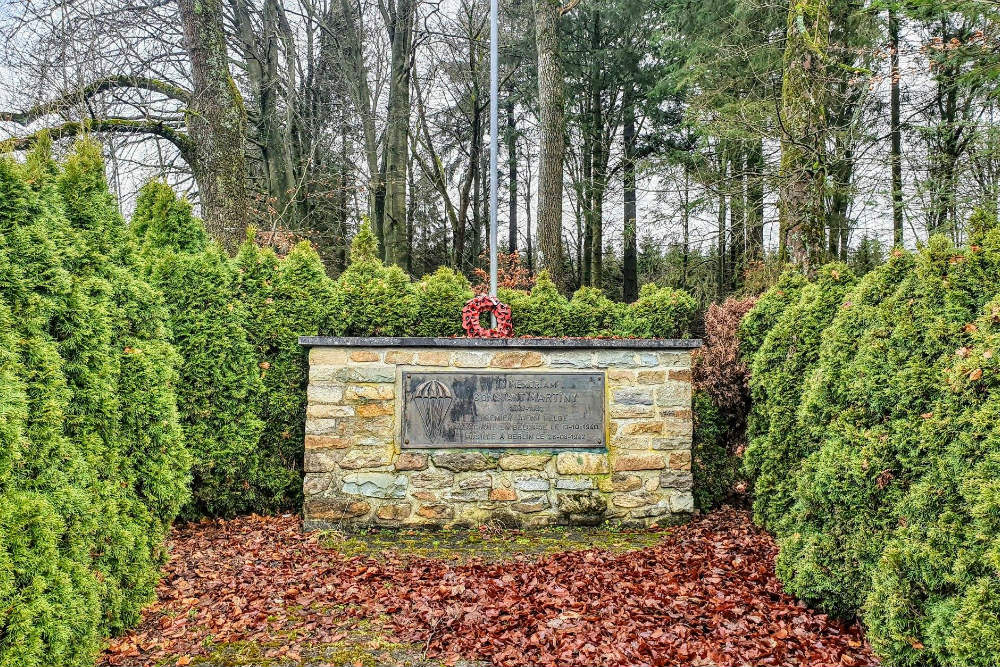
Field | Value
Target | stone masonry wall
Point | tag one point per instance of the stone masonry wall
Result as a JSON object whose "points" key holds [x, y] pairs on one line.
{"points": [[355, 471]]}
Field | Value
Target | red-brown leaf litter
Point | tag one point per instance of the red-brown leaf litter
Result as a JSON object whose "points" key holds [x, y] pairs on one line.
{"points": [[704, 595]]}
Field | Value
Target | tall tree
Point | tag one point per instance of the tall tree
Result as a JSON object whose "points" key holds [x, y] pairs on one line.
{"points": [[552, 147], [804, 125]]}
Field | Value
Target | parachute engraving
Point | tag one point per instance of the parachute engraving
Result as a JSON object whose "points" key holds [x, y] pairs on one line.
{"points": [[433, 401]]}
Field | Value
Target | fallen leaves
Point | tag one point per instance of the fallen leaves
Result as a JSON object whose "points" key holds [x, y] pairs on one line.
{"points": [[706, 594]]}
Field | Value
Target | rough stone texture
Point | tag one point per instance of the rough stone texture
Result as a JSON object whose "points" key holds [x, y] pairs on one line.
{"points": [[524, 461], [355, 472], [464, 461]]}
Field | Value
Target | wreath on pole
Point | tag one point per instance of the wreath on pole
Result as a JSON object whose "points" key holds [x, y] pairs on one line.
{"points": [[484, 304]]}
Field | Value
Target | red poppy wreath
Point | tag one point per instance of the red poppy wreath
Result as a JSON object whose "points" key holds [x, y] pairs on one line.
{"points": [[485, 304]]}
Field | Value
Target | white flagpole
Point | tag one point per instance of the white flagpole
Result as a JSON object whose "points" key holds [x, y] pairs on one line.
{"points": [[494, 143]]}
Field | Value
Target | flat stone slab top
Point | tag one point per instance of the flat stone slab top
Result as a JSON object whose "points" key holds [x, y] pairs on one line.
{"points": [[523, 431], [524, 342]]}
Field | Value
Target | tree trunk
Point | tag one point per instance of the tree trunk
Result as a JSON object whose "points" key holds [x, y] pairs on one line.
{"points": [[551, 144], [216, 121], [398, 134], [630, 279], [895, 133], [737, 216], [721, 279], [803, 102], [755, 201], [512, 178]]}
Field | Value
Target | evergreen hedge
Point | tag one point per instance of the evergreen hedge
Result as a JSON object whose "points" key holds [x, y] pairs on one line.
{"points": [[879, 470], [92, 464]]}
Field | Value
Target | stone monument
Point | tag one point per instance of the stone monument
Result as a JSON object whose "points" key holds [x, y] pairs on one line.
{"points": [[528, 432]]}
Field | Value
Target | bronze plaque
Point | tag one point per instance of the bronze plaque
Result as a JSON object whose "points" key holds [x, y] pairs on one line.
{"points": [[502, 409]]}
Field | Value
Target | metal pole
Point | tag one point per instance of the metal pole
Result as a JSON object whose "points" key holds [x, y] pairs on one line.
{"points": [[494, 142]]}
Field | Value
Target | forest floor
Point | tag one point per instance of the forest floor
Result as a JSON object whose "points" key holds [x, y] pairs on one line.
{"points": [[257, 591]]}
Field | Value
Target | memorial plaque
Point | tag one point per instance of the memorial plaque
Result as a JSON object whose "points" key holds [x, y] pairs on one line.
{"points": [[502, 409]]}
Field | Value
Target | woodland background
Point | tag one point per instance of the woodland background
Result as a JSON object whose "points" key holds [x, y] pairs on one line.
{"points": [[641, 140]]}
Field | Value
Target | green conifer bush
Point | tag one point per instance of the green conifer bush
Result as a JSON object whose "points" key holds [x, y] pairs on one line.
{"points": [[591, 313], [371, 299], [848, 489], [543, 312], [659, 312], [777, 372], [440, 298], [219, 382], [85, 496]]}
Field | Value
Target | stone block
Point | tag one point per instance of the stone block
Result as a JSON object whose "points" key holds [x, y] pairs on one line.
{"points": [[630, 500], [657, 509], [399, 357], [471, 359], [327, 442], [326, 411], [682, 502], [624, 482], [648, 359], [519, 359], [432, 479], [433, 358], [364, 356], [639, 462], [620, 375], [531, 484], [323, 460], [632, 396], [680, 460], [335, 509], [631, 411], [674, 394], [313, 483], [580, 505], [394, 512], [464, 461], [574, 484], [503, 495], [425, 496], [411, 461], [378, 409], [373, 457], [370, 374], [581, 463], [571, 359], [327, 356], [375, 484], [436, 511], [614, 359], [676, 442], [682, 374], [674, 359], [651, 377], [650, 427], [369, 392], [318, 393], [524, 461], [478, 482], [467, 495], [531, 505], [676, 479]]}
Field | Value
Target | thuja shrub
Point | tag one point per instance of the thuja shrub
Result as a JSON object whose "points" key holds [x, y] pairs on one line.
{"points": [[935, 594], [543, 312], [92, 468], [220, 382], [283, 299], [848, 491], [371, 299], [714, 469], [591, 313], [440, 298], [777, 372], [659, 312]]}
